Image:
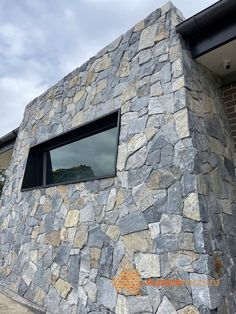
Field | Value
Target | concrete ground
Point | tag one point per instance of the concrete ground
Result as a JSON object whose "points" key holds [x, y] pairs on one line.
{"points": [[8, 306]]}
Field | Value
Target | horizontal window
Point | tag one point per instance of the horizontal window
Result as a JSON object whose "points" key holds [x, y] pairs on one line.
{"points": [[85, 153]]}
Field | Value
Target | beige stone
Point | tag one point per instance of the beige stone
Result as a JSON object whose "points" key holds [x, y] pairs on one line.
{"points": [[81, 236], [101, 85], [156, 89], [72, 218], [161, 33], [137, 242], [139, 26], [94, 257], [64, 234], [39, 296], [147, 37], [190, 309], [124, 69], [182, 123], [191, 207], [63, 287], [147, 264], [78, 96], [113, 232], [129, 93], [136, 142], [103, 63], [53, 238], [120, 197], [122, 156], [178, 83]]}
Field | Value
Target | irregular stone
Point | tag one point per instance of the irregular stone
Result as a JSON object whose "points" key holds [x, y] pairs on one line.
{"points": [[147, 264], [166, 243], [111, 200], [124, 67], [96, 238], [73, 276], [156, 89], [121, 306], [105, 265], [174, 203], [113, 232], [147, 37], [139, 304], [177, 68], [137, 159], [62, 255], [87, 214], [29, 273], [170, 223], [166, 307], [162, 178], [154, 295], [53, 238], [122, 157], [81, 236], [136, 142], [154, 229], [191, 207], [137, 242], [132, 222], [182, 124], [95, 254], [107, 295], [186, 241], [117, 256], [143, 196], [190, 309], [145, 56], [203, 294], [103, 63], [90, 289], [63, 288], [72, 218]]}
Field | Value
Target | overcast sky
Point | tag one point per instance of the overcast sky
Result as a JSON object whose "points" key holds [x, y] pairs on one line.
{"points": [[43, 40]]}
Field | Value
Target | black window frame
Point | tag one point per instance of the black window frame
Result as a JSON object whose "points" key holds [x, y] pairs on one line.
{"points": [[36, 165]]}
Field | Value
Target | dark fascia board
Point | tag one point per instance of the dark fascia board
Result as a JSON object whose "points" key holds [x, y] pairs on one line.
{"points": [[7, 141], [210, 28]]}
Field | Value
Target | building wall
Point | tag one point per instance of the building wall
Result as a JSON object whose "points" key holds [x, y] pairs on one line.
{"points": [[215, 234], [62, 246]]}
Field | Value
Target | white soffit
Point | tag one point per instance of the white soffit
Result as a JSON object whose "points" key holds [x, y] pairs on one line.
{"points": [[217, 59]]}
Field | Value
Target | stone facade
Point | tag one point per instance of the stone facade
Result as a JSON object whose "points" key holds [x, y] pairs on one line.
{"points": [[169, 211]]}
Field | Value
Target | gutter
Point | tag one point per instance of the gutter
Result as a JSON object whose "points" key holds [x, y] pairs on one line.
{"points": [[7, 141], [210, 28]]}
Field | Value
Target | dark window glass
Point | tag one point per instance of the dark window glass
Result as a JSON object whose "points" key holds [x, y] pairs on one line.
{"points": [[84, 153], [89, 158]]}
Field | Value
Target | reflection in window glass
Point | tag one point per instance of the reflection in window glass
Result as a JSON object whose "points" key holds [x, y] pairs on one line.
{"points": [[89, 158]]}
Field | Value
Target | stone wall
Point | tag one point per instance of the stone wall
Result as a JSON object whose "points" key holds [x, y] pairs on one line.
{"points": [[62, 246], [215, 234]]}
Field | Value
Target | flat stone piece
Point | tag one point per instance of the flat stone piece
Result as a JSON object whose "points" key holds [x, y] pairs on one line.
{"points": [[132, 222], [148, 265]]}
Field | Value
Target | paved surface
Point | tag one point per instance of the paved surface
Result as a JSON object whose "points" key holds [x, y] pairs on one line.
{"points": [[8, 306]]}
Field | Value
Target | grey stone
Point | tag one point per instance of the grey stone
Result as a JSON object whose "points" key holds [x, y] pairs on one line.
{"points": [[170, 224], [175, 203], [153, 158], [166, 243], [74, 264], [52, 300], [204, 295], [179, 296], [117, 256], [139, 304], [166, 307], [151, 215], [105, 265], [132, 222], [96, 238], [63, 254], [107, 294]]}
